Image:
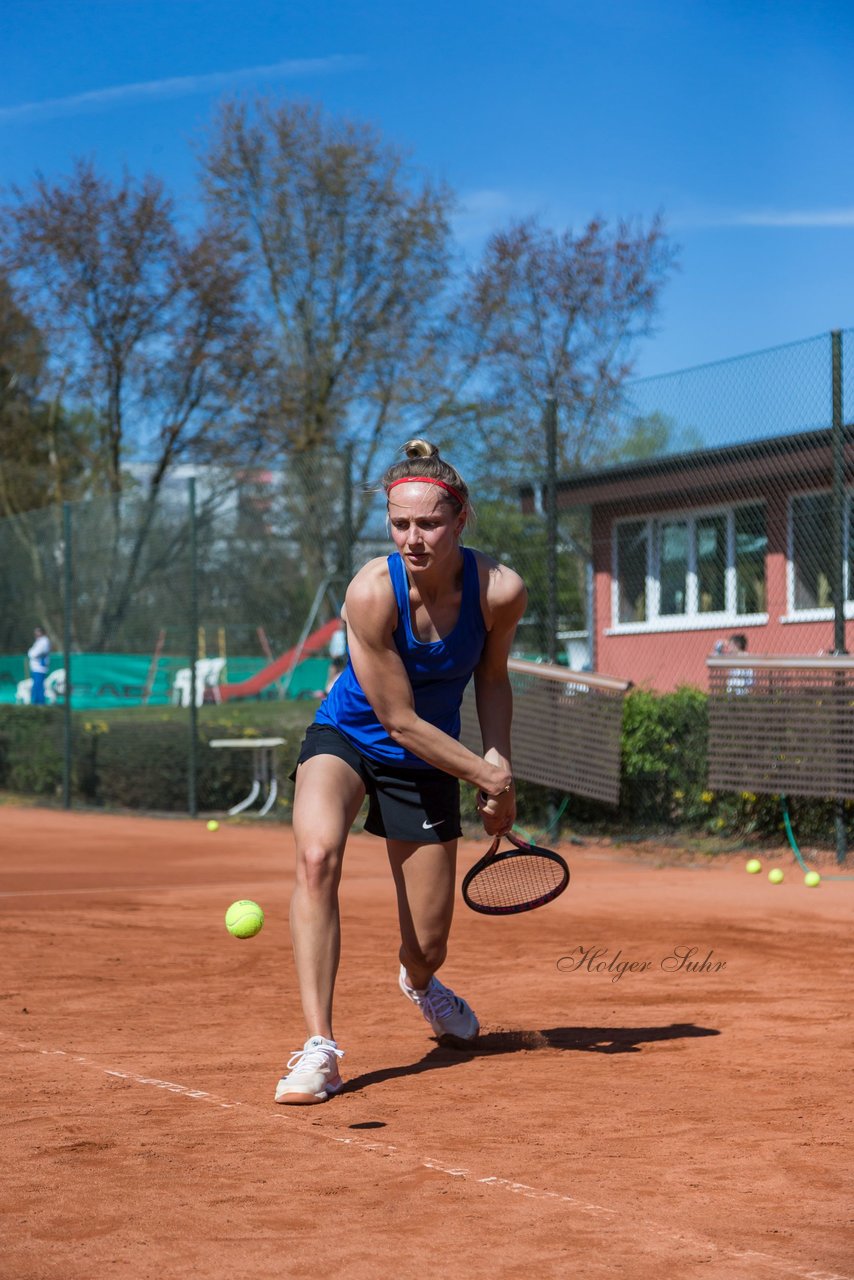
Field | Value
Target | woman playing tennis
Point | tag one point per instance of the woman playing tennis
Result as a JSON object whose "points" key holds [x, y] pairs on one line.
{"points": [[419, 624]]}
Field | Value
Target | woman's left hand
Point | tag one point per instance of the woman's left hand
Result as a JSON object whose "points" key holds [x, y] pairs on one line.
{"points": [[497, 813]]}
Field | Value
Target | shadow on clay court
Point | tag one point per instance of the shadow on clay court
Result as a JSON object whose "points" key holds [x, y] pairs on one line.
{"points": [[578, 1039]]}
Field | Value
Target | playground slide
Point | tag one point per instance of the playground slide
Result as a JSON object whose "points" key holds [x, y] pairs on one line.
{"points": [[267, 675]]}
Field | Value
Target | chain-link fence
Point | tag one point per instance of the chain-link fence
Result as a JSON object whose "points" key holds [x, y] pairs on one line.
{"points": [[205, 609], [718, 519], [723, 516]]}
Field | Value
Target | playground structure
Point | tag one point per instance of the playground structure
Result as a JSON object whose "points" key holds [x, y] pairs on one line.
{"points": [[283, 668], [110, 680], [310, 642]]}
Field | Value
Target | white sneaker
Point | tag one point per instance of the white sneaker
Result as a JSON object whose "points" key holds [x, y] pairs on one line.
{"points": [[312, 1073], [450, 1017]]}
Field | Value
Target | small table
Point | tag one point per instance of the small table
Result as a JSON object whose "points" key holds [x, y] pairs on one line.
{"points": [[263, 770]]}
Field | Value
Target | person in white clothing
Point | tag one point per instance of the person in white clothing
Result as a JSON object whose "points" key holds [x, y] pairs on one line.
{"points": [[38, 656], [740, 679]]}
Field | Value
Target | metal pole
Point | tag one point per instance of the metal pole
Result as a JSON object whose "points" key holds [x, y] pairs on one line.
{"points": [[551, 562], [192, 759], [838, 517], [838, 494], [347, 515], [68, 587], [551, 528]]}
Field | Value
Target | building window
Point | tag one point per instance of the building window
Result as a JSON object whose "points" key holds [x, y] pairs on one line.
{"points": [[811, 543], [751, 544], [695, 568], [712, 563], [812, 552], [673, 566], [632, 552]]}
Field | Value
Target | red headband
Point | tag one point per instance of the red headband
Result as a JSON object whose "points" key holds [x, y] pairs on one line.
{"points": [[449, 488]]}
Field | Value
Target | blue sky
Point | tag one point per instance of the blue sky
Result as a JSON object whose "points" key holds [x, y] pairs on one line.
{"points": [[736, 120]]}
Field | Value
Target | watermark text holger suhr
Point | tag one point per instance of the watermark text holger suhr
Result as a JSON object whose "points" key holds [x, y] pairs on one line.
{"points": [[681, 959]]}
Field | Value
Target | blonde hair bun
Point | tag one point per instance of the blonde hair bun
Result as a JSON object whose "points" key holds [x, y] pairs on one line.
{"points": [[423, 462], [420, 449]]}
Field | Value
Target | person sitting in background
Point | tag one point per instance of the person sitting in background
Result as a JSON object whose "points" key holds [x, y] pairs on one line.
{"points": [[739, 679], [336, 666], [38, 656]]}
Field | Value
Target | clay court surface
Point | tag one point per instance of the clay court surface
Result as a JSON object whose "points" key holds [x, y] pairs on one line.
{"points": [[666, 1124]]}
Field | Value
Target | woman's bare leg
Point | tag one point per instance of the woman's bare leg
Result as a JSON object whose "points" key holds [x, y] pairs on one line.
{"points": [[328, 796], [424, 879]]}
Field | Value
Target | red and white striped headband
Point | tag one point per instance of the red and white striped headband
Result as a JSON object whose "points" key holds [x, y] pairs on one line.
{"points": [[449, 488]]}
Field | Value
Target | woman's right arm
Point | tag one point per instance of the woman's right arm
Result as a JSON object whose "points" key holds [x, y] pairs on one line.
{"points": [[371, 620]]}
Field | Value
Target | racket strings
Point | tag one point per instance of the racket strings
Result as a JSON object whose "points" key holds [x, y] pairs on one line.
{"points": [[515, 880]]}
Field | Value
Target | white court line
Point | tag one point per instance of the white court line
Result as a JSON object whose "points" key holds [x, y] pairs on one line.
{"points": [[142, 888], [779, 1266]]}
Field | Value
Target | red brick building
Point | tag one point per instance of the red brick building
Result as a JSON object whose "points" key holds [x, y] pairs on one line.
{"points": [[691, 548]]}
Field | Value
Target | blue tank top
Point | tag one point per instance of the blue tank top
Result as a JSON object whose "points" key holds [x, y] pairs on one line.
{"points": [[438, 671]]}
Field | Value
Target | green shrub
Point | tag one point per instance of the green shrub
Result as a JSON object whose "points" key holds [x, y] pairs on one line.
{"points": [[31, 752], [137, 759], [664, 751], [131, 764]]}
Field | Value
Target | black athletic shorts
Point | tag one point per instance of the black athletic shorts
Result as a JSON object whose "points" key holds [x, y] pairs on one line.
{"points": [[421, 806]]}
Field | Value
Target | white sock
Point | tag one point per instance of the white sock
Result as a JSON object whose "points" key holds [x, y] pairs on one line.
{"points": [[419, 991]]}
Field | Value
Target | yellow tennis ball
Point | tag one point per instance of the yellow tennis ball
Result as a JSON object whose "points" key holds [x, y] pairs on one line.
{"points": [[812, 879], [213, 825], [776, 876], [753, 865], [244, 919]]}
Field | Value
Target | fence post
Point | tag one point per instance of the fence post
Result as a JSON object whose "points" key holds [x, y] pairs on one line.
{"points": [[551, 527], [346, 559], [838, 493], [838, 516], [67, 606], [192, 759]]}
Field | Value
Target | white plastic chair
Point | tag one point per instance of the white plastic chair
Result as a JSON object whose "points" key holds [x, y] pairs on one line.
{"points": [[208, 672], [54, 687]]}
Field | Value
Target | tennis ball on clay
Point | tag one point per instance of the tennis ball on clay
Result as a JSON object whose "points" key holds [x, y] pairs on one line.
{"points": [[776, 876], [812, 879], [753, 865], [213, 825], [244, 919]]}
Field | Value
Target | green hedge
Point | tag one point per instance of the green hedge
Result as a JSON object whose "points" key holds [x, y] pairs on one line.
{"points": [[137, 759], [664, 755], [126, 759], [31, 750]]}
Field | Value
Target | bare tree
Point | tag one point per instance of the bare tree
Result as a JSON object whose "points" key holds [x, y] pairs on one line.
{"points": [[22, 483], [147, 325], [349, 257], [44, 459], [561, 313]]}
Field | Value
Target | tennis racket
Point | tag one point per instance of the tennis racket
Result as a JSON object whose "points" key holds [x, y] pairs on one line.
{"points": [[503, 883]]}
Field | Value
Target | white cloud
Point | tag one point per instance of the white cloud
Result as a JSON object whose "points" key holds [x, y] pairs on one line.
{"points": [[785, 218], [173, 87], [479, 213], [796, 218]]}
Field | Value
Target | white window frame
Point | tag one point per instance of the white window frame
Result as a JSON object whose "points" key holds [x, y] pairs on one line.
{"points": [[691, 620], [824, 614]]}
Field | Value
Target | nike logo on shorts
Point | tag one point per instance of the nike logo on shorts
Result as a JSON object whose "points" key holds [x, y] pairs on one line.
{"points": [[428, 826]]}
